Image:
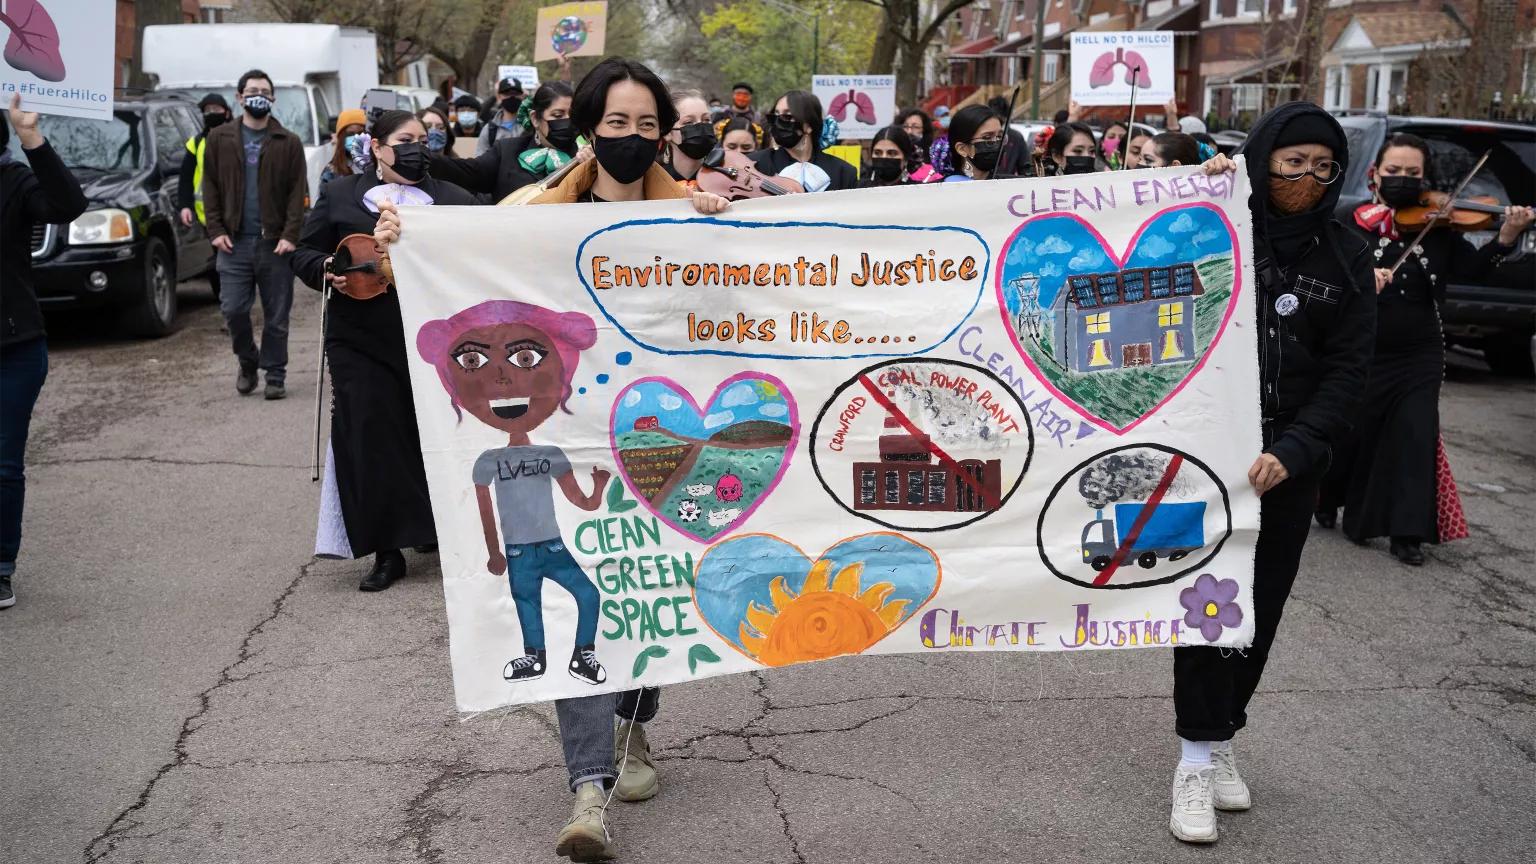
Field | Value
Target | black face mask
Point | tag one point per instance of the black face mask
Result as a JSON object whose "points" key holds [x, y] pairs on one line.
{"points": [[1080, 165], [986, 155], [698, 140], [786, 133], [511, 104], [257, 106], [410, 161], [626, 158], [1398, 191], [562, 135], [885, 168], [214, 118]]}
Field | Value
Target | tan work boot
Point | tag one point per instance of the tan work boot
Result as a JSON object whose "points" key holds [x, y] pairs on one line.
{"points": [[585, 838], [637, 774]]}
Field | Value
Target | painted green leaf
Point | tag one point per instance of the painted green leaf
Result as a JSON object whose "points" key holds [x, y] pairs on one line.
{"points": [[621, 506], [615, 494], [645, 658], [700, 653]]}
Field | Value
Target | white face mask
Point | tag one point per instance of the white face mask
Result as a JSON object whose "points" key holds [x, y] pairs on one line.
{"points": [[468, 118]]}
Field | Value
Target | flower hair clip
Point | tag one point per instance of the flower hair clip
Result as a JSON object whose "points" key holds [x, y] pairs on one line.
{"points": [[360, 151]]}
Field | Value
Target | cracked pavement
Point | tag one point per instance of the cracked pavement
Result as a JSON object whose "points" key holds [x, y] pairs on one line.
{"points": [[183, 683]]}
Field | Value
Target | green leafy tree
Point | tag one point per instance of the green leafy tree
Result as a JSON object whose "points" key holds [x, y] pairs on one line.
{"points": [[761, 43]]}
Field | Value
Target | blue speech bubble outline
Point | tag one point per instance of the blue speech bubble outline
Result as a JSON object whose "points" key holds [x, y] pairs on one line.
{"points": [[733, 223]]}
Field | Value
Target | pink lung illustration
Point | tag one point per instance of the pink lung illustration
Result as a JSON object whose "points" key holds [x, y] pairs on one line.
{"points": [[33, 45], [863, 106], [1103, 72]]}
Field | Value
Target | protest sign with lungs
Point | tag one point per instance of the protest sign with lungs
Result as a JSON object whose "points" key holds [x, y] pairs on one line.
{"points": [[779, 435], [58, 56]]}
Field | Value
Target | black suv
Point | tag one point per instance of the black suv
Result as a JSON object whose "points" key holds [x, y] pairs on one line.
{"points": [[129, 249], [1498, 316]]}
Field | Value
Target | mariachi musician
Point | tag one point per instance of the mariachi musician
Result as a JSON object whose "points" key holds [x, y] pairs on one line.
{"points": [[379, 483]]}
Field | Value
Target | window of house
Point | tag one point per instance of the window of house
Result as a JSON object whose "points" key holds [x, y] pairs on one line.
{"points": [[1252, 7], [1098, 322], [1052, 67], [1170, 314], [892, 487], [1215, 10], [1288, 7], [1372, 87], [1246, 97], [867, 485], [1333, 88], [1098, 355]]}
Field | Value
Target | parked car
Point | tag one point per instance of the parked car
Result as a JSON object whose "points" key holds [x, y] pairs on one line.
{"points": [[1498, 315], [129, 249]]}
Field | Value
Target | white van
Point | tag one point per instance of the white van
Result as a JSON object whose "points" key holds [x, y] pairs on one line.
{"points": [[318, 70]]}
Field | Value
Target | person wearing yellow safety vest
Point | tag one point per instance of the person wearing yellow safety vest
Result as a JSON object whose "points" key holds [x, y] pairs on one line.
{"points": [[189, 188]]}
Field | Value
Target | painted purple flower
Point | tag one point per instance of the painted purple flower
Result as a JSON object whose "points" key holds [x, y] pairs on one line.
{"points": [[1210, 607]]}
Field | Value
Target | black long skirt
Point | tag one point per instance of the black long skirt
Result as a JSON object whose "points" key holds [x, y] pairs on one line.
{"points": [[1385, 476], [379, 476]]}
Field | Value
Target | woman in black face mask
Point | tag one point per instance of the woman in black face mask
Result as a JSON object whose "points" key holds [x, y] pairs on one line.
{"points": [[690, 140], [975, 144], [379, 485], [548, 142], [1316, 312], [1385, 475], [794, 125], [893, 160], [1071, 150], [624, 109]]}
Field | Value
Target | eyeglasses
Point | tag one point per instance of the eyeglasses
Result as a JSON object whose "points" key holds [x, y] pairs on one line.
{"points": [[785, 119], [1324, 172]]}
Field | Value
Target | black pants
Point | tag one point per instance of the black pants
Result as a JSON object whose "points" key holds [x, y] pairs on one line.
{"points": [[1211, 691], [639, 705]]}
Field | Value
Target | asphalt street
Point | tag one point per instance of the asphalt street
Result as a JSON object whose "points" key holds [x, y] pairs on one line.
{"points": [[181, 682]]}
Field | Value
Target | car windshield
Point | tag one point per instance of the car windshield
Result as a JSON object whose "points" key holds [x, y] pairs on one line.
{"points": [[1510, 174], [290, 106], [93, 145]]}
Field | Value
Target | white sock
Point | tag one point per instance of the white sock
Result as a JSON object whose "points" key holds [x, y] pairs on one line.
{"points": [[1194, 755], [595, 784]]}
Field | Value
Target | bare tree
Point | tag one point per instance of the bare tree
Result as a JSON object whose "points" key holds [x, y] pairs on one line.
{"points": [[1308, 49], [912, 35]]}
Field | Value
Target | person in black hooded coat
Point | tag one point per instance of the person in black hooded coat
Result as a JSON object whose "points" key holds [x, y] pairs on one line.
{"points": [[1316, 311]]}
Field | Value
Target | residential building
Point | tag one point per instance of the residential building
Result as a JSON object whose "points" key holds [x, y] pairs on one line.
{"points": [[134, 15]]}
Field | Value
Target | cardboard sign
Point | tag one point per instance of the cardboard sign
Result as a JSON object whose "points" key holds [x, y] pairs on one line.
{"points": [[1107, 66], [528, 76], [572, 29], [58, 56], [861, 104], [1012, 416]]}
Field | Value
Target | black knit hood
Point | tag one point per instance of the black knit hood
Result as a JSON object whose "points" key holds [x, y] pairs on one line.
{"points": [[1285, 235]]}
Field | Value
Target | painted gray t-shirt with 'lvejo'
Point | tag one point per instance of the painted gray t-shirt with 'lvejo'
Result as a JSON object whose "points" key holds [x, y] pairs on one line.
{"points": [[525, 496]]}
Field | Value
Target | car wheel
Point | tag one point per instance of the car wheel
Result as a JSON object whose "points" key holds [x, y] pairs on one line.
{"points": [[1511, 357], [1147, 560], [1099, 562], [153, 312]]}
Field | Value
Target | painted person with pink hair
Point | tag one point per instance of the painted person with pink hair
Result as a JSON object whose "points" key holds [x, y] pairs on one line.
{"points": [[509, 364]]}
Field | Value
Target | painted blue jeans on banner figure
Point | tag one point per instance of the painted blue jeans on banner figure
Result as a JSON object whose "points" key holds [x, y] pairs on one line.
{"points": [[528, 566]]}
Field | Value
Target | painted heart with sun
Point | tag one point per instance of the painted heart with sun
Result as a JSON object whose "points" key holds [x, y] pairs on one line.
{"points": [[704, 470], [1117, 336], [776, 605]]}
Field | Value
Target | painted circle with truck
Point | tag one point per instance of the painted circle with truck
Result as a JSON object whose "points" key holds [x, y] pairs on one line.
{"points": [[1139, 515]]}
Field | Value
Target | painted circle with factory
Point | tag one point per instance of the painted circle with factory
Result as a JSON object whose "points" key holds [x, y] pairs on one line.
{"points": [[922, 445], [1136, 516]]}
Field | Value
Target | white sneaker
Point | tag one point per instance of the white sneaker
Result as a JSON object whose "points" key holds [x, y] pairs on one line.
{"points": [[1228, 791], [1194, 817]]}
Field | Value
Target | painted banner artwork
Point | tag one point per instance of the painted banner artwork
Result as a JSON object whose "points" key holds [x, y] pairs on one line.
{"points": [[1012, 415]]}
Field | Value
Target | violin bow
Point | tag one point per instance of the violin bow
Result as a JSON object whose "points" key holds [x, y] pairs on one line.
{"points": [[1008, 125], [1444, 208], [1130, 125]]}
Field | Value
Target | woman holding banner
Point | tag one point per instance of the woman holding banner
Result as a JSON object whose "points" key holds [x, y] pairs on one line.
{"points": [[691, 140], [625, 111], [1316, 309]]}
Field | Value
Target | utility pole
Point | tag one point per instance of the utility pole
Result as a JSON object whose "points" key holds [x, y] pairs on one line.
{"points": [[816, 44], [1037, 66]]}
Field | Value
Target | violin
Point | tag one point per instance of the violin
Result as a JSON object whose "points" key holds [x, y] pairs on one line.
{"points": [[1463, 214], [366, 267], [733, 176]]}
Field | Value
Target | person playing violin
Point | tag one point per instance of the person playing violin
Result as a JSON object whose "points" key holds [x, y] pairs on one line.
{"points": [[380, 484], [1385, 475]]}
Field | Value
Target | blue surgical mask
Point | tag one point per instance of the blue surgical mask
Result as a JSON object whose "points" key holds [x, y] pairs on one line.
{"points": [[468, 119], [437, 139]]}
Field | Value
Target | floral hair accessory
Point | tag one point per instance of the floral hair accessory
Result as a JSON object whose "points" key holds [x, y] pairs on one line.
{"points": [[828, 133], [360, 151], [1206, 151]]}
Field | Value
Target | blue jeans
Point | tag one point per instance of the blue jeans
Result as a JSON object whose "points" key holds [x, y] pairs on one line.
{"points": [[254, 268], [528, 565], [586, 729], [23, 367]]}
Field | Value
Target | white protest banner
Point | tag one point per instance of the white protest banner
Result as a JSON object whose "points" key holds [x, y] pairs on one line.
{"points": [[58, 56], [528, 76], [1105, 67], [861, 104], [573, 29], [664, 446]]}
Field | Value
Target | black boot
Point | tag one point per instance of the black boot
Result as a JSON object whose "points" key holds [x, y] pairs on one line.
{"points": [[1408, 551], [584, 665], [388, 566], [1327, 517], [525, 668]]}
